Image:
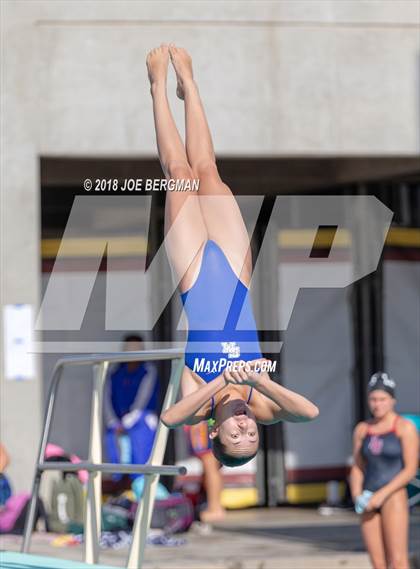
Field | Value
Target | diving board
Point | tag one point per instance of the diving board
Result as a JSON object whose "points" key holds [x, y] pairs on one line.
{"points": [[13, 560], [94, 465]]}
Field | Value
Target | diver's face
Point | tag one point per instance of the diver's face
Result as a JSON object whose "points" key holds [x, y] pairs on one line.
{"points": [[380, 403], [237, 428]]}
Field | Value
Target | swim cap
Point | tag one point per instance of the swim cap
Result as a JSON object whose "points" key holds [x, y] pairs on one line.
{"points": [[381, 380]]}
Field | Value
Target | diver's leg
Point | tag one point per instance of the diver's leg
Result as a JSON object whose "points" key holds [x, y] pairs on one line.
{"points": [[372, 536], [395, 528], [220, 210], [198, 139], [213, 483], [185, 230]]}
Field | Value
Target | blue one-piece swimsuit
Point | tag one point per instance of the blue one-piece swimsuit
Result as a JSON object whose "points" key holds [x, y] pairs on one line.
{"points": [[221, 323]]}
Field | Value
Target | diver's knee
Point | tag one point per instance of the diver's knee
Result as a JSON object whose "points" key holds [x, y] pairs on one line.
{"points": [[206, 169], [179, 171]]}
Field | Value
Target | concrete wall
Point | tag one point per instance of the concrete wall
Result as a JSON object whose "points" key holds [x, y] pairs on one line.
{"points": [[278, 78]]}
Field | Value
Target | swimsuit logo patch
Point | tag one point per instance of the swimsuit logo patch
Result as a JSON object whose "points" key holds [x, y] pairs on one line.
{"points": [[375, 445], [232, 349]]}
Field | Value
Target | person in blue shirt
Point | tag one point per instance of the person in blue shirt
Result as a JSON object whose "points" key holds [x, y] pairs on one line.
{"points": [[131, 408]]}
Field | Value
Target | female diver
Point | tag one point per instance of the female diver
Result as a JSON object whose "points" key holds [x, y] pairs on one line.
{"points": [[386, 455], [209, 251]]}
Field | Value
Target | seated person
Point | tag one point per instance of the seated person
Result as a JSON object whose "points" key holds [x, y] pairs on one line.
{"points": [[131, 406]]}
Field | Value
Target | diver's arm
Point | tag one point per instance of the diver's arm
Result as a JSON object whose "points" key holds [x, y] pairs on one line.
{"points": [[357, 472], [285, 405], [184, 410], [280, 403]]}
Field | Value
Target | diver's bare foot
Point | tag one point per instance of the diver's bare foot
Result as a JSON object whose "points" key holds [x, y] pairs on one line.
{"points": [[212, 516], [182, 62], [157, 64]]}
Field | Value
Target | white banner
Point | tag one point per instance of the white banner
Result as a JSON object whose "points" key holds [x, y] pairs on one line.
{"points": [[18, 325]]}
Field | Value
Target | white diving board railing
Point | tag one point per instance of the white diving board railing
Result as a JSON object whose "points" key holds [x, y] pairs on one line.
{"points": [[94, 465]]}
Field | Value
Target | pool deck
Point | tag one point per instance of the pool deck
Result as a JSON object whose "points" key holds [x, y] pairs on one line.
{"points": [[279, 538]]}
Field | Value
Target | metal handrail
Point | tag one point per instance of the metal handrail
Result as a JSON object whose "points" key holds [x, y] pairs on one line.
{"points": [[164, 470], [151, 470]]}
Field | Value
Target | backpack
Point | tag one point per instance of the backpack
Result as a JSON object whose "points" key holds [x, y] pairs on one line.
{"points": [[174, 514], [115, 518], [13, 513], [67, 504]]}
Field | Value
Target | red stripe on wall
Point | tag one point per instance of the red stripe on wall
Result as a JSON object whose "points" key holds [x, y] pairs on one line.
{"points": [[317, 474]]}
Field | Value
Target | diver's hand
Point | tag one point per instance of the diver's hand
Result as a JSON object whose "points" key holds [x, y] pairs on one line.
{"points": [[246, 373], [376, 501]]}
